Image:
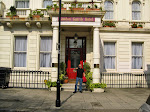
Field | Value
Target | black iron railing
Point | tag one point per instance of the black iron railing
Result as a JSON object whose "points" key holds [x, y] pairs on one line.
{"points": [[28, 79], [126, 80]]}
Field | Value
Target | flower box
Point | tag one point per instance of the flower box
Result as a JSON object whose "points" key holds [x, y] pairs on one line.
{"points": [[77, 8], [99, 90]]}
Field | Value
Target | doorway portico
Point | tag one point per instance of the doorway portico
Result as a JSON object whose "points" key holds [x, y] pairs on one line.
{"points": [[87, 48]]}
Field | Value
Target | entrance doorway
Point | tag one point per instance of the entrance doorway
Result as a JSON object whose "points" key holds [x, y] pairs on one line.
{"points": [[75, 54]]}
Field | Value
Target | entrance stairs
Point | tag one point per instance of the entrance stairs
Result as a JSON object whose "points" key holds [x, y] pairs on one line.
{"points": [[70, 86]]}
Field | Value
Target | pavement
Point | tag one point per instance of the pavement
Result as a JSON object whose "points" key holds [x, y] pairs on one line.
{"points": [[42, 100]]}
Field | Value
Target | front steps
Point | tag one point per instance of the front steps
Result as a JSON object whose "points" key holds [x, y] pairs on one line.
{"points": [[71, 86]]}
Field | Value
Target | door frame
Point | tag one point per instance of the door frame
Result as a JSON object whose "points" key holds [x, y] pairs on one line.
{"points": [[69, 49]]}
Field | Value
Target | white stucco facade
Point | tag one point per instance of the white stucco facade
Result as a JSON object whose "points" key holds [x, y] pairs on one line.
{"points": [[96, 35]]}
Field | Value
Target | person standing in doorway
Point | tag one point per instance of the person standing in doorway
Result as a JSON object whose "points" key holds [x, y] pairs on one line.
{"points": [[80, 74]]}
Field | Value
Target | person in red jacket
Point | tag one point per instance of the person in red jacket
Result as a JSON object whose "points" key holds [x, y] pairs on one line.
{"points": [[80, 74]]}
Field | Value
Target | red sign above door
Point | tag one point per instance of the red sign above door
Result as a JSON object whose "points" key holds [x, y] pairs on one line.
{"points": [[78, 19]]}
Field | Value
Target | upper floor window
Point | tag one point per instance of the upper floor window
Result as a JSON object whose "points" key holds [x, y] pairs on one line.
{"points": [[109, 55], [20, 51], [22, 3], [45, 51], [136, 10], [109, 10], [137, 55], [47, 2]]}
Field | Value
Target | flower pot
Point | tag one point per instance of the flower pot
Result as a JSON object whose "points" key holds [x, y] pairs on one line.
{"points": [[90, 9], [107, 26], [66, 81], [78, 9], [36, 16], [139, 27], [99, 90]]}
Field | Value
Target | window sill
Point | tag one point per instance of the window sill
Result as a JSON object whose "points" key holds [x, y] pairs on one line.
{"points": [[45, 69], [137, 70], [109, 70], [20, 68]]}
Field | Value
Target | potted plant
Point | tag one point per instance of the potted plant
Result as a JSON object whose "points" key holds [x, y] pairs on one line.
{"points": [[73, 5], [92, 9], [51, 85], [36, 15], [109, 24], [61, 77], [12, 13], [49, 7], [66, 79], [140, 26], [98, 87], [134, 25]]}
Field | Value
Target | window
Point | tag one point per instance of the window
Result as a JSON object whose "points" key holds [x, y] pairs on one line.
{"points": [[136, 11], [45, 51], [20, 52], [137, 55], [109, 55], [47, 2], [109, 10], [22, 3]]}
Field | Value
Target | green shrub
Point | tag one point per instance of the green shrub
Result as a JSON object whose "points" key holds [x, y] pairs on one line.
{"points": [[97, 85], [54, 84], [55, 7], [87, 67], [49, 7], [62, 68], [48, 83], [88, 7], [62, 77]]}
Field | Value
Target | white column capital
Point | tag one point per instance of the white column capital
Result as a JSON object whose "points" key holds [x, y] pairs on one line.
{"points": [[55, 27]]}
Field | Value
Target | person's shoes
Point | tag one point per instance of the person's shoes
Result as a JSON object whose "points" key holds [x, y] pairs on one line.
{"points": [[74, 92], [80, 91]]}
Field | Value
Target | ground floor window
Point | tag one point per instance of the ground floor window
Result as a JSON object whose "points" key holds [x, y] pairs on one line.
{"points": [[20, 51], [109, 55], [45, 51], [137, 55]]}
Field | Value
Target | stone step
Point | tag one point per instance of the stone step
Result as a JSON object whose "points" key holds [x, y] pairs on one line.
{"points": [[70, 87]]}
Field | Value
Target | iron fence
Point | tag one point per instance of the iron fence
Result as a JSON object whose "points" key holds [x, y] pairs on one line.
{"points": [[28, 79], [126, 80]]}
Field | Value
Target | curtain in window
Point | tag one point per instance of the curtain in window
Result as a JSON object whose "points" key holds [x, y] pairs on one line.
{"points": [[109, 52], [20, 51], [109, 10], [45, 49], [22, 4], [47, 2], [137, 53], [136, 11]]}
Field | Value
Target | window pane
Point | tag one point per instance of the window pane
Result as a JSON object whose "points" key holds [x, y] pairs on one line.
{"points": [[20, 43], [20, 60], [109, 48], [45, 60], [73, 45], [136, 62], [109, 63], [47, 2], [137, 49], [109, 10], [136, 10], [22, 4], [46, 44]]}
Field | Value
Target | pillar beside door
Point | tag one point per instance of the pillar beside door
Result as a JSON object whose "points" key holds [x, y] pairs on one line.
{"points": [[96, 55], [54, 55]]}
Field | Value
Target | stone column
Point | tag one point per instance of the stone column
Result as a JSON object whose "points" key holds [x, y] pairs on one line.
{"points": [[96, 55], [54, 55]]}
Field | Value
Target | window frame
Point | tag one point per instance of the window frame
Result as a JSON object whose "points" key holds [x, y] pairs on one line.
{"points": [[138, 55], [110, 55], [109, 10], [45, 52], [140, 11], [43, 3], [22, 7], [14, 51]]}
